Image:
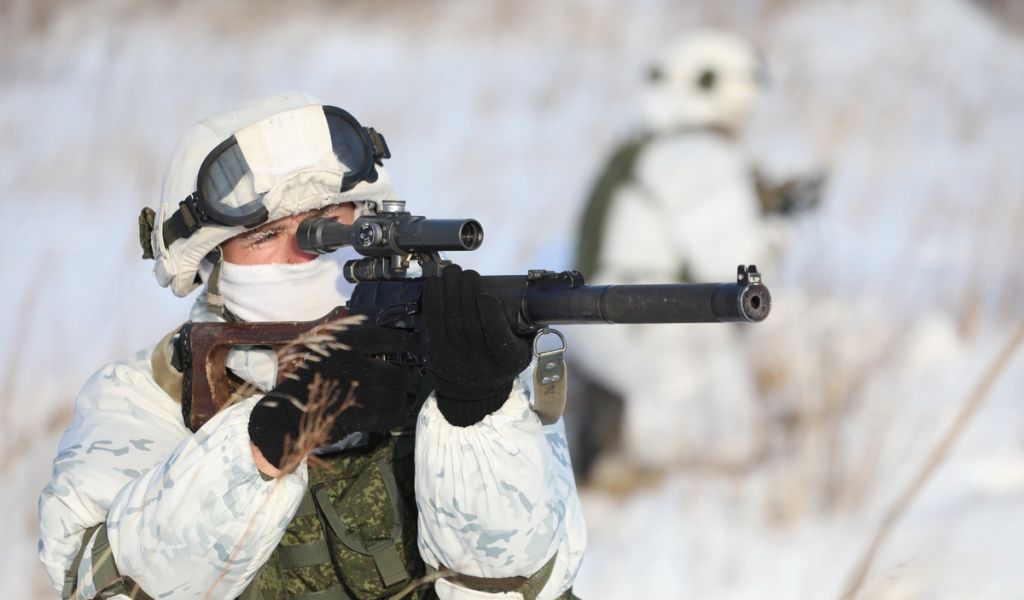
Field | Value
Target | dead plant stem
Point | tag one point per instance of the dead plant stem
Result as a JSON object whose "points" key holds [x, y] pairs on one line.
{"points": [[938, 454]]}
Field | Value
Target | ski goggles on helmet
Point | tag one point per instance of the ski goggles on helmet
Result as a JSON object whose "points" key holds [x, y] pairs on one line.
{"points": [[237, 174]]}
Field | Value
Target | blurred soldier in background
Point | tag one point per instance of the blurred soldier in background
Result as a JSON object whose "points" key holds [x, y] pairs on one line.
{"points": [[680, 202], [142, 503]]}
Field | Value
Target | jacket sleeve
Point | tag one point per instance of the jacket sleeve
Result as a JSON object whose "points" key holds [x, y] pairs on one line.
{"points": [[497, 499], [187, 515]]}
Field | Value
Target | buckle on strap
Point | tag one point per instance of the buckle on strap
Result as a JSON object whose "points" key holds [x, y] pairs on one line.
{"points": [[549, 379], [185, 221], [380, 145]]}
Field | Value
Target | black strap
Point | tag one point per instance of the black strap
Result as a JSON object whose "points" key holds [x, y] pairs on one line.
{"points": [[380, 145], [183, 354], [185, 221]]}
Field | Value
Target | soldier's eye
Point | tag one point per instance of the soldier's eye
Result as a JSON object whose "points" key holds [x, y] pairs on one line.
{"points": [[655, 74], [259, 237], [706, 80]]}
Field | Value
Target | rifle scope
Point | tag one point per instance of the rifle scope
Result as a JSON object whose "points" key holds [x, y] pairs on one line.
{"points": [[387, 234]]}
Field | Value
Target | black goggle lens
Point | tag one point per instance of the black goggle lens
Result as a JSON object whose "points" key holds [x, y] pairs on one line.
{"points": [[228, 179]]}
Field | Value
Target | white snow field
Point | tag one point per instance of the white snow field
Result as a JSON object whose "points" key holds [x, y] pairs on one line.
{"points": [[895, 299]]}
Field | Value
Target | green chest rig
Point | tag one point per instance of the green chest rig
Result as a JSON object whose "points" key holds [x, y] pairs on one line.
{"points": [[354, 534]]}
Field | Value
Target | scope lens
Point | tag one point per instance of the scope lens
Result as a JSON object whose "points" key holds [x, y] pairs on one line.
{"points": [[471, 234]]}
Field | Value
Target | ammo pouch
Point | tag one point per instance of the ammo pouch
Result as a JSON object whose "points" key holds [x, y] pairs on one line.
{"points": [[354, 535]]}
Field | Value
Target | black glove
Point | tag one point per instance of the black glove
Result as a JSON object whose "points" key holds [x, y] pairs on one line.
{"points": [[380, 392], [473, 355]]}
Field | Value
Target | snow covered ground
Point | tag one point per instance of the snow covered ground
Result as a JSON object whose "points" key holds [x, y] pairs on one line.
{"points": [[896, 297]]}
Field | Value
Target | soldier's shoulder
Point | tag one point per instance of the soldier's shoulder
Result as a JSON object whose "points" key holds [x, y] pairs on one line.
{"points": [[126, 387]]}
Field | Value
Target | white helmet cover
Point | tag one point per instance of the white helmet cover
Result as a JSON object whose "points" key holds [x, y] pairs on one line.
{"points": [[292, 166], [705, 79]]}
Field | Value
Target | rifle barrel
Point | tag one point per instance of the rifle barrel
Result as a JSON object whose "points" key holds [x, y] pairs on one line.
{"points": [[647, 303]]}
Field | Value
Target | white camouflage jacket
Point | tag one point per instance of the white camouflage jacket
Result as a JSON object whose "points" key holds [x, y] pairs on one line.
{"points": [[189, 515]]}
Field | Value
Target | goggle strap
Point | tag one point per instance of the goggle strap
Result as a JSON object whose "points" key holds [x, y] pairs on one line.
{"points": [[185, 221], [213, 298], [380, 145]]}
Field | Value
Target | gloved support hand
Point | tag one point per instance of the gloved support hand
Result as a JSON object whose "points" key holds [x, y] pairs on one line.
{"points": [[473, 355], [380, 392]]}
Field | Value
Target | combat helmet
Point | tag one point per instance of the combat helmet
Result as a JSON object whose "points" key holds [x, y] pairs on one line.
{"points": [[273, 158]]}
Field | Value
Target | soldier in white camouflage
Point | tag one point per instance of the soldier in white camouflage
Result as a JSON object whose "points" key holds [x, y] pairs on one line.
{"points": [[449, 473]]}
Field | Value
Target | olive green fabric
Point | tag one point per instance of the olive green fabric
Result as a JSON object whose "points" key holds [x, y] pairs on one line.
{"points": [[108, 580], [71, 574], [529, 587], [618, 171], [359, 514], [360, 510], [146, 223], [169, 379]]}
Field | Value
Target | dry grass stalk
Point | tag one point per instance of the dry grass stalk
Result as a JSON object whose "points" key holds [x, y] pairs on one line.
{"points": [[26, 316], [813, 407], [308, 347], [318, 417], [935, 459], [321, 409]]}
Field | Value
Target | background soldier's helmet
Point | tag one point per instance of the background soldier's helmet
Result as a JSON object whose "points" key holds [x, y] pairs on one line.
{"points": [[707, 79], [273, 154]]}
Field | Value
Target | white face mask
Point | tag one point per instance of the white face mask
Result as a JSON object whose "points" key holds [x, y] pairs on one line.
{"points": [[286, 292]]}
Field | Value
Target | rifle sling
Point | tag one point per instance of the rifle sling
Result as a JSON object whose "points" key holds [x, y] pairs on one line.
{"points": [[530, 587], [106, 578]]}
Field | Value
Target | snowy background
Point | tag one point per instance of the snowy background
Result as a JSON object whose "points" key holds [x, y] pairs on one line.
{"points": [[895, 299]]}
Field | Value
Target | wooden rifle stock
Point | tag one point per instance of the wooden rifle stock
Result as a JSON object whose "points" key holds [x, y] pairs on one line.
{"points": [[206, 389]]}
